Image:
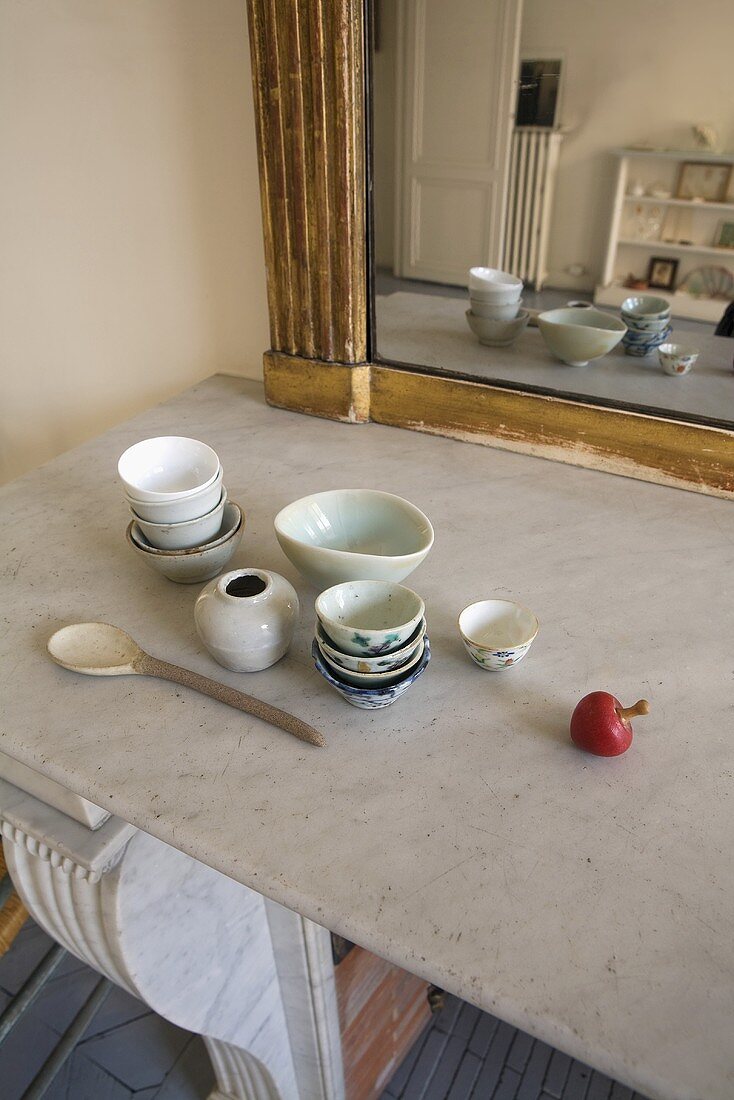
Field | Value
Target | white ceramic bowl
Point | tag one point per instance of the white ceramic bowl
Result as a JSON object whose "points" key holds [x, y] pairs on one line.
{"points": [[497, 334], [192, 506], [373, 698], [384, 662], [677, 359], [489, 284], [373, 679], [497, 634], [167, 467], [199, 563], [182, 536], [353, 534], [493, 312], [647, 307], [369, 617], [576, 336]]}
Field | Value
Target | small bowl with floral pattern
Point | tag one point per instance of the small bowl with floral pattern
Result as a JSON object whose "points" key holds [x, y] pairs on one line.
{"points": [[367, 618], [383, 662], [497, 634], [677, 359], [372, 698]]}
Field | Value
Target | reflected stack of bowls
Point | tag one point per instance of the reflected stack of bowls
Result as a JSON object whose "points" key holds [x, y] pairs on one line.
{"points": [[648, 324], [183, 525], [496, 316], [371, 643]]}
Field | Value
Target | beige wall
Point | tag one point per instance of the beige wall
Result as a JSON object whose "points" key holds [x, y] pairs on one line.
{"points": [[131, 257], [633, 72]]}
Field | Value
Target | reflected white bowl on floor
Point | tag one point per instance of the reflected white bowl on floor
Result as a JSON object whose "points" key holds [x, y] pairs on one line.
{"points": [[576, 336], [497, 334], [677, 359], [506, 311]]}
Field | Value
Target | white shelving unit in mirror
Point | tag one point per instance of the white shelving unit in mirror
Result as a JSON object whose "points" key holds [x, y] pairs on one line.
{"points": [[677, 208]]}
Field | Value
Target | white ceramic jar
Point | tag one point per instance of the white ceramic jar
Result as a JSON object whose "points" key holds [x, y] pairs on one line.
{"points": [[246, 618]]}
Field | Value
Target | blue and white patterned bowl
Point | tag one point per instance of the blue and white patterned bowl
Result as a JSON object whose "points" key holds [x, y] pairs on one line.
{"points": [[372, 698], [389, 661], [641, 344]]}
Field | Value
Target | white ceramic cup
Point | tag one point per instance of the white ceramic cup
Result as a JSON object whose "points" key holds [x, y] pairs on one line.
{"points": [[677, 359], [497, 634], [184, 535], [191, 506], [167, 467]]}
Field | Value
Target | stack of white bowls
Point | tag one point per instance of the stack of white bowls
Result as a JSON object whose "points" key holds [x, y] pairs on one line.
{"points": [[183, 524], [496, 316]]}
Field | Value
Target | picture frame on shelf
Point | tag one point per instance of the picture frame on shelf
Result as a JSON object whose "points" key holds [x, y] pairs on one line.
{"points": [[703, 181], [662, 272], [725, 235]]}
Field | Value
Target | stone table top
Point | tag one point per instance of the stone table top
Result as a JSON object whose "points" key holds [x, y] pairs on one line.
{"points": [[431, 329], [457, 833]]}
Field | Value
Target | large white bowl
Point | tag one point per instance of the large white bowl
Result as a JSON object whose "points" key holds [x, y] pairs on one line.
{"points": [[199, 563], [488, 284], [182, 536], [369, 617], [576, 336], [353, 534], [185, 508], [167, 467], [503, 312], [497, 334]]}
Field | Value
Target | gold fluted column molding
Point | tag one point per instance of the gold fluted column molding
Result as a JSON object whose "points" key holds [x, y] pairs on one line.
{"points": [[308, 82]]}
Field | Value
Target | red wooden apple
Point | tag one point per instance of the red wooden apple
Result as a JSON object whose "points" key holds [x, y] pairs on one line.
{"points": [[600, 724]]}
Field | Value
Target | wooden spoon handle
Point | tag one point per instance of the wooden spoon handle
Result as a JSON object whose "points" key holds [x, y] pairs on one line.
{"points": [[152, 666]]}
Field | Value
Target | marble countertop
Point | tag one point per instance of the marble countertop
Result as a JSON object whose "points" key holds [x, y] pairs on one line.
{"points": [[430, 329], [458, 833]]}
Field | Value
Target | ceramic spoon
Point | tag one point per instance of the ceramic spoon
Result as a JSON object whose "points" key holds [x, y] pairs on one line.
{"points": [[98, 649]]}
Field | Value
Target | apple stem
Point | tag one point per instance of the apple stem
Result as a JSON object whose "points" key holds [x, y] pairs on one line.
{"points": [[641, 707]]}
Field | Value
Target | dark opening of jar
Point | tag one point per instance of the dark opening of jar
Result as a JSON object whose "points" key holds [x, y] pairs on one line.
{"points": [[247, 585]]}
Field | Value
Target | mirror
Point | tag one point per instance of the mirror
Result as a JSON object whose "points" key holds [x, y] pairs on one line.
{"points": [[585, 148]]}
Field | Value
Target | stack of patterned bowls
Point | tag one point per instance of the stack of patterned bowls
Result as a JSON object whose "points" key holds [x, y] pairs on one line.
{"points": [[648, 324], [183, 525], [371, 643]]}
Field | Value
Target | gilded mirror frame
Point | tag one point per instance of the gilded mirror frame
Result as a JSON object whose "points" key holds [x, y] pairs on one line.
{"points": [[309, 68]]}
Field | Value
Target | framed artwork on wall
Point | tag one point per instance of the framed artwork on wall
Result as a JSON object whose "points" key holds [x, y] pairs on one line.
{"points": [[725, 235], [704, 181], [662, 272]]}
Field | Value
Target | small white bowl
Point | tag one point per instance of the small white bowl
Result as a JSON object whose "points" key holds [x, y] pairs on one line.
{"points": [[182, 536], [199, 563], [492, 285], [384, 662], [167, 467], [677, 359], [647, 307], [369, 617], [185, 508], [373, 679], [504, 312], [576, 336], [497, 634], [353, 534], [497, 334]]}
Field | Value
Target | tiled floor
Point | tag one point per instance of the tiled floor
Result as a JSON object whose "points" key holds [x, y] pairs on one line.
{"points": [[128, 1051]]}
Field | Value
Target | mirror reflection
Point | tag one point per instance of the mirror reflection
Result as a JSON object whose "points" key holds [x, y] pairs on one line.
{"points": [[553, 192]]}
